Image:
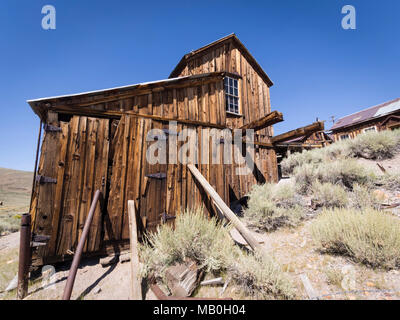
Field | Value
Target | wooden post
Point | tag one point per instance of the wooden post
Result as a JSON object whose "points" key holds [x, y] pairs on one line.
{"points": [[136, 286], [227, 212]]}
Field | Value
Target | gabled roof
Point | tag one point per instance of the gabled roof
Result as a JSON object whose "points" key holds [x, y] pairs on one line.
{"points": [[232, 37], [368, 114]]}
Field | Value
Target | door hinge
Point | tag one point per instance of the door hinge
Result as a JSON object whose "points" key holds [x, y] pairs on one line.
{"points": [[42, 179], [159, 175], [165, 217], [39, 240], [50, 128]]}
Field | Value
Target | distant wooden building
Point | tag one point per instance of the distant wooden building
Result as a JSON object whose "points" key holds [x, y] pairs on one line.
{"points": [[99, 140], [385, 116]]}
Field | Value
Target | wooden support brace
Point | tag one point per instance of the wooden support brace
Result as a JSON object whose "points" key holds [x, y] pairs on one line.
{"points": [[266, 121], [136, 286], [226, 211], [316, 126]]}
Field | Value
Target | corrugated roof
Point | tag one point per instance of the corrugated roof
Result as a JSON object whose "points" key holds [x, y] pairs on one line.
{"points": [[368, 114]]}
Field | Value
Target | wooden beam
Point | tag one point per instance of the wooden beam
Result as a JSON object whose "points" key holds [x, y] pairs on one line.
{"points": [[266, 121], [119, 114], [136, 286], [226, 211], [316, 126]]}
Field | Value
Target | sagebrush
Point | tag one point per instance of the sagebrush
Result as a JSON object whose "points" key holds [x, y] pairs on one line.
{"points": [[370, 145], [329, 195], [367, 236], [271, 206], [208, 242]]}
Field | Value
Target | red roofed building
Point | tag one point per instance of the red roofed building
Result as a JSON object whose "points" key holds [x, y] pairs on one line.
{"points": [[385, 116]]}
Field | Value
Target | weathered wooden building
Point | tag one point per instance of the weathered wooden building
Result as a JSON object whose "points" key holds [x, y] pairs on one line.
{"points": [[385, 116], [99, 140]]}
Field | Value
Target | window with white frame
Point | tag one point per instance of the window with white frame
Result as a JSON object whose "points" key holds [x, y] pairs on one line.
{"points": [[231, 95], [370, 129], [344, 136]]}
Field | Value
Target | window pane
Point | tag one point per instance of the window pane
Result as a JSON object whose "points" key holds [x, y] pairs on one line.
{"points": [[236, 92], [231, 82], [235, 83]]}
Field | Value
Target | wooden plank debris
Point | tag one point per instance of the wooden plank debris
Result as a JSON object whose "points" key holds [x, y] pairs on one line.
{"points": [[312, 294]]}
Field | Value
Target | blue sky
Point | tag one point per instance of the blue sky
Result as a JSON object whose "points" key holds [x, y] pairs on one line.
{"points": [[319, 69]]}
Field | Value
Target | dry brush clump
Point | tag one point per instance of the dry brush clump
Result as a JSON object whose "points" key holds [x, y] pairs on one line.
{"points": [[271, 206], [376, 145], [329, 195], [9, 222], [342, 172], [367, 236], [208, 243], [371, 145]]}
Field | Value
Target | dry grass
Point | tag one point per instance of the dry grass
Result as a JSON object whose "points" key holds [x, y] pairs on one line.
{"points": [[208, 243], [271, 206], [15, 190], [370, 237]]}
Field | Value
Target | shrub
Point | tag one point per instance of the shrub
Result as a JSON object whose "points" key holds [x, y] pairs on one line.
{"points": [[363, 197], [371, 145], [343, 172], [375, 145], [271, 206], [260, 277], [389, 181], [208, 243], [204, 241], [9, 222], [370, 237], [329, 195]]}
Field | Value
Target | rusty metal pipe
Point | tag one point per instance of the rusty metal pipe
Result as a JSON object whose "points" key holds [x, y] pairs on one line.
{"points": [[79, 249], [36, 163], [24, 256]]}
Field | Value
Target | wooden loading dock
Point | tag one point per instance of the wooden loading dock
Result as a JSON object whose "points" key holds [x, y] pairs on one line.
{"points": [[99, 140]]}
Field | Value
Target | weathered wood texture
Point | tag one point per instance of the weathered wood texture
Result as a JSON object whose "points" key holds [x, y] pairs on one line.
{"points": [[106, 135], [77, 157]]}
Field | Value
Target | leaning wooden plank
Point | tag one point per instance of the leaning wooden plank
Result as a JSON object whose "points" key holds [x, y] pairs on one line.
{"points": [[312, 294], [136, 289], [316, 126], [266, 121], [225, 209]]}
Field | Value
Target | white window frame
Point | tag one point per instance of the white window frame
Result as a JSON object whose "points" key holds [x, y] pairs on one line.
{"points": [[232, 95], [369, 129], [346, 134]]}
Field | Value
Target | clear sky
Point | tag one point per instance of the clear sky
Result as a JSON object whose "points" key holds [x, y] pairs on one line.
{"points": [[318, 68]]}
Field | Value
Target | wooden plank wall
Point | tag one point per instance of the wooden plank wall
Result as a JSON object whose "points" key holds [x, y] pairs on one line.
{"points": [[84, 146], [77, 156]]}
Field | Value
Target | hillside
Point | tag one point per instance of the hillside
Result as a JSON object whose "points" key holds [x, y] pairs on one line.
{"points": [[15, 191]]}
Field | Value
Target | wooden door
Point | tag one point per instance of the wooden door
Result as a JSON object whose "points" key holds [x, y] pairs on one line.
{"points": [[73, 165]]}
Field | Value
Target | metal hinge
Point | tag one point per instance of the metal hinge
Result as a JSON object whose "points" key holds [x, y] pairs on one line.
{"points": [[39, 240], [50, 128], [165, 217], [42, 179], [159, 175]]}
